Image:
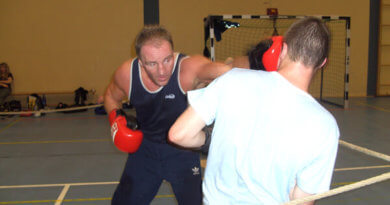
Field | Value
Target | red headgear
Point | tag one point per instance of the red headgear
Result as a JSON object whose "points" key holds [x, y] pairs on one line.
{"points": [[271, 56]]}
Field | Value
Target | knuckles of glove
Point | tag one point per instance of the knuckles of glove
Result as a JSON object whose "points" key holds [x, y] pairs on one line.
{"points": [[125, 139], [123, 131], [132, 122]]}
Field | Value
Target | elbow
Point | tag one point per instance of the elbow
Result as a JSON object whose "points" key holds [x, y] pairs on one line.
{"points": [[174, 135]]}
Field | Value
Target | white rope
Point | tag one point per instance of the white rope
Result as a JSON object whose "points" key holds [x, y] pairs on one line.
{"points": [[51, 110], [349, 187], [365, 150], [342, 189]]}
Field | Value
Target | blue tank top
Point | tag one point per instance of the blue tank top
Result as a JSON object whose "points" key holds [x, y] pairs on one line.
{"points": [[157, 111]]}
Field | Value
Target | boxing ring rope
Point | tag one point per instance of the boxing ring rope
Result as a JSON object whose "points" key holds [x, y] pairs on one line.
{"points": [[52, 110], [365, 150], [353, 186], [342, 189]]}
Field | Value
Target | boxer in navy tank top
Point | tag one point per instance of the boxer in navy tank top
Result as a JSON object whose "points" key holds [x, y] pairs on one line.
{"points": [[156, 83], [156, 160]]}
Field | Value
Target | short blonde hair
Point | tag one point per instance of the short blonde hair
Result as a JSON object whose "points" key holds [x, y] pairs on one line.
{"points": [[151, 32]]}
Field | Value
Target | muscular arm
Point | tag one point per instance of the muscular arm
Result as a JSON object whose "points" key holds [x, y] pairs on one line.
{"points": [[238, 62], [186, 131], [198, 69], [297, 193], [118, 88]]}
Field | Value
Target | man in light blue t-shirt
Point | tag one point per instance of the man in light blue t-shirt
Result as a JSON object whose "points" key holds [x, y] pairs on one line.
{"points": [[272, 142]]}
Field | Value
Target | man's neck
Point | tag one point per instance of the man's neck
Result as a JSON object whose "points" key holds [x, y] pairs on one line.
{"points": [[297, 74]]}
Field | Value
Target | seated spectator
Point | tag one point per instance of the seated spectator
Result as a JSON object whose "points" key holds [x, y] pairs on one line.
{"points": [[6, 79]]}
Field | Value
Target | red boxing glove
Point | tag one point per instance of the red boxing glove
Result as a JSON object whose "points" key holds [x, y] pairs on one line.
{"points": [[124, 131], [271, 56]]}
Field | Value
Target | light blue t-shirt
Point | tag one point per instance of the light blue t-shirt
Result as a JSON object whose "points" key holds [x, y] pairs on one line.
{"points": [[268, 135]]}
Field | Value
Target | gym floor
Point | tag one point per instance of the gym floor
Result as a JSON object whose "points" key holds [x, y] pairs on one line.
{"points": [[63, 158]]}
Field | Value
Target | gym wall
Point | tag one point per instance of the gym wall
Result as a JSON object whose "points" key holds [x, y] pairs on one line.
{"points": [[57, 46]]}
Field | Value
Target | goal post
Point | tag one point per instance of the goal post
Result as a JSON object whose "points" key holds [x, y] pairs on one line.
{"points": [[233, 35]]}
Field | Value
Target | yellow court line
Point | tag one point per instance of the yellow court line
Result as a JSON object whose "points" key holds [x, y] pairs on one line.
{"points": [[56, 201], [26, 202], [165, 196], [56, 185], [73, 200], [10, 125], [54, 141]]}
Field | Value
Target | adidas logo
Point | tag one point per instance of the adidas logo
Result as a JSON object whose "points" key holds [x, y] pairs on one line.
{"points": [[195, 171], [170, 96]]}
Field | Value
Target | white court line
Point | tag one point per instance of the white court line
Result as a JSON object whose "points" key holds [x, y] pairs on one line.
{"points": [[62, 195], [203, 161]]}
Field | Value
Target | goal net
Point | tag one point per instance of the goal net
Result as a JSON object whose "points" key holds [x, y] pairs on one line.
{"points": [[233, 35]]}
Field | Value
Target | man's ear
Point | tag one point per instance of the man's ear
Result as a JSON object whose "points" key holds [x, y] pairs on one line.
{"points": [[324, 62], [283, 53], [140, 62], [284, 50]]}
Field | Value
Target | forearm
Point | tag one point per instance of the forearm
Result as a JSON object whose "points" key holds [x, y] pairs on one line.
{"points": [[195, 141], [297, 193], [111, 100], [187, 130], [110, 105]]}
